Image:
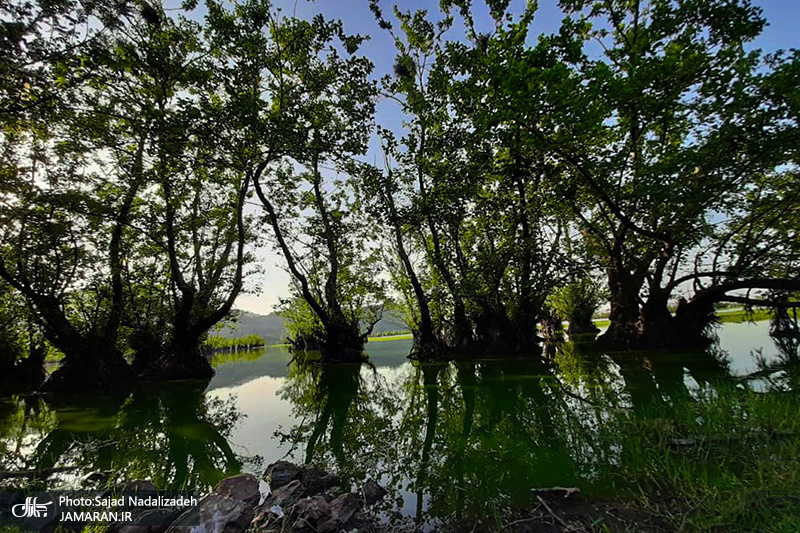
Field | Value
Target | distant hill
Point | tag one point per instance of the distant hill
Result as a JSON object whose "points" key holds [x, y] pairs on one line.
{"points": [[271, 327]]}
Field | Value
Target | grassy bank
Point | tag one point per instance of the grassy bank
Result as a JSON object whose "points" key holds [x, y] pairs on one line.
{"points": [[724, 315], [726, 461]]}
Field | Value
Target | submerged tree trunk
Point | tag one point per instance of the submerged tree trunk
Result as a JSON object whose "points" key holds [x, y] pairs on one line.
{"points": [[624, 330], [183, 360], [24, 375], [657, 323], [90, 368], [581, 327], [497, 333], [343, 343], [91, 362]]}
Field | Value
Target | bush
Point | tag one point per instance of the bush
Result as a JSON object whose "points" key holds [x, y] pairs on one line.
{"points": [[577, 302]]}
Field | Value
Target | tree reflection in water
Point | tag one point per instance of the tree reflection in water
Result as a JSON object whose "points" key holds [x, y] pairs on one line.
{"points": [[345, 412], [173, 435], [448, 439], [781, 373], [468, 437]]}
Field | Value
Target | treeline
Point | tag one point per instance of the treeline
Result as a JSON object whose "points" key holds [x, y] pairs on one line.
{"points": [[643, 153], [216, 343]]}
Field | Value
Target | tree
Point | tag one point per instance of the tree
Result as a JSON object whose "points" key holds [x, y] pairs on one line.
{"points": [[64, 220], [657, 135], [198, 218], [577, 302], [380, 192], [305, 104], [129, 153], [480, 192]]}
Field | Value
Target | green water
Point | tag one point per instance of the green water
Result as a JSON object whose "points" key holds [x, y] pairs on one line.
{"points": [[447, 439]]}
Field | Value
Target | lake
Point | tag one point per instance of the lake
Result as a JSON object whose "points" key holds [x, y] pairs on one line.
{"points": [[447, 439]]}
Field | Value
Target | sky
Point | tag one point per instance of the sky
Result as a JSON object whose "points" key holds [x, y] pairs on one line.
{"points": [[272, 282]]}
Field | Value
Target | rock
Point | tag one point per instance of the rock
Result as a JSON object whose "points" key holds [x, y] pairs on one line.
{"points": [[264, 516], [342, 509], [286, 495], [317, 480], [373, 492], [314, 509], [214, 514], [276, 503], [281, 473], [147, 521], [243, 487]]}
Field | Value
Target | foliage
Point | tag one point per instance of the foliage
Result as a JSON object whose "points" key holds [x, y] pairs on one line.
{"points": [[222, 343], [577, 301], [305, 121], [646, 142]]}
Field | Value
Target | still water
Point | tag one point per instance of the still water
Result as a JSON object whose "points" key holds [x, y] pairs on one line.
{"points": [[447, 439]]}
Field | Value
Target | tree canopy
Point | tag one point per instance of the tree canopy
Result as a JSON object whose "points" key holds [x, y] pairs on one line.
{"points": [[645, 152]]}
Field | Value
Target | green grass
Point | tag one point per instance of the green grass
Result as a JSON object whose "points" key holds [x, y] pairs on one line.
{"points": [[391, 337], [727, 461], [736, 316], [740, 315]]}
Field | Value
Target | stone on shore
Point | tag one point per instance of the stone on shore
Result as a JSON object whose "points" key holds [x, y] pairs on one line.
{"points": [[214, 514], [373, 492], [286, 495], [281, 473], [243, 487], [317, 480], [342, 509]]}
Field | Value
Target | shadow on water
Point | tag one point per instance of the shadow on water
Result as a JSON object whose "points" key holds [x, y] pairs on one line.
{"points": [[173, 435]]}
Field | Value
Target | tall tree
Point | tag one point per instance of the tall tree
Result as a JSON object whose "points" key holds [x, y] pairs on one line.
{"points": [[73, 159], [199, 228], [658, 134], [481, 192], [306, 103]]}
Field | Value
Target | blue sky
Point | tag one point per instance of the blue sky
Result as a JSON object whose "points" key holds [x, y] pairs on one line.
{"points": [[783, 18]]}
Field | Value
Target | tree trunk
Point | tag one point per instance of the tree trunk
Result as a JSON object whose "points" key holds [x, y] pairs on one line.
{"points": [[624, 330], [691, 323], [581, 327], [343, 343], [183, 360], [426, 344], [657, 323], [90, 368]]}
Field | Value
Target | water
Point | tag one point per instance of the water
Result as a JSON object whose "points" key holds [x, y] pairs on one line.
{"points": [[447, 439]]}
